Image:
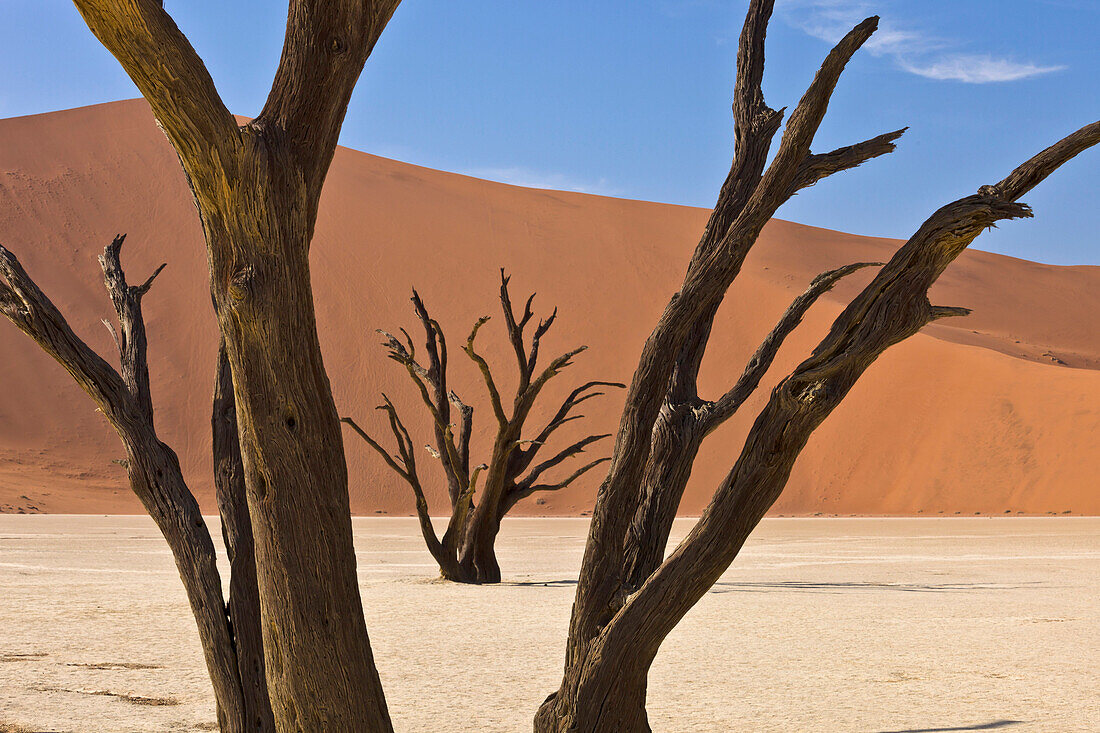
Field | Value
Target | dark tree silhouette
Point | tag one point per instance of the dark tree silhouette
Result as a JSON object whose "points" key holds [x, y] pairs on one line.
{"points": [[629, 597], [466, 552]]}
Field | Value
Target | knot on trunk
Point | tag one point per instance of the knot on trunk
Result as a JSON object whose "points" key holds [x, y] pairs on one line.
{"points": [[811, 393], [242, 284]]}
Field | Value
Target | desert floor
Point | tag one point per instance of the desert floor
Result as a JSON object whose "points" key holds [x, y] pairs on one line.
{"points": [[821, 625]]}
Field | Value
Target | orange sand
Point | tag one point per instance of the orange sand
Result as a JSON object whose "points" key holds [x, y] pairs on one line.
{"points": [[995, 413]]}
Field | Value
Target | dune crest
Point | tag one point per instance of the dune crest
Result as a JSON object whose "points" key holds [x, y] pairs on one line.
{"points": [[995, 413]]}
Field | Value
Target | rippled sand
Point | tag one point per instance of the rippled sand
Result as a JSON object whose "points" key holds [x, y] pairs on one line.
{"points": [[821, 625]]}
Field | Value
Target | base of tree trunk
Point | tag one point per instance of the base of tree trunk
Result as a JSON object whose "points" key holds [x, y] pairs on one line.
{"points": [[478, 565], [621, 710]]}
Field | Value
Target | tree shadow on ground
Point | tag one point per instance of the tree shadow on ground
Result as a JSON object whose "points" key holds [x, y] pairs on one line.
{"points": [[545, 583], [811, 587], [980, 726]]}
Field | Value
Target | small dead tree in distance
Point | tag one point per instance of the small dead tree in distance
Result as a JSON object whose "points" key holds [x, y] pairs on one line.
{"points": [[466, 552], [628, 597]]}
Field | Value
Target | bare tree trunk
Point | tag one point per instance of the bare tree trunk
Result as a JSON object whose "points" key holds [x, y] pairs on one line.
{"points": [[675, 445], [320, 669], [244, 598], [478, 548], [628, 599], [257, 189]]}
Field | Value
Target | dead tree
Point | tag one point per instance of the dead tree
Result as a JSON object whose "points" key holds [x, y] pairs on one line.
{"points": [[229, 636], [628, 598], [257, 188], [466, 552]]}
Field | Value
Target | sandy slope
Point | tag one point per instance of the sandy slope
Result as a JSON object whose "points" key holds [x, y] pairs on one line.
{"points": [[838, 625], [996, 413]]}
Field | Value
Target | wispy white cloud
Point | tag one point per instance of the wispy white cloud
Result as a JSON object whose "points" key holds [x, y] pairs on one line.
{"points": [[975, 68], [915, 50], [518, 176]]}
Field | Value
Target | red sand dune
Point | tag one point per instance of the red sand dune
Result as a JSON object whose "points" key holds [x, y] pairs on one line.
{"points": [[995, 413]]}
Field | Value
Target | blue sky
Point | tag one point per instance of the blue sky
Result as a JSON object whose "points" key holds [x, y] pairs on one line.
{"points": [[632, 97]]}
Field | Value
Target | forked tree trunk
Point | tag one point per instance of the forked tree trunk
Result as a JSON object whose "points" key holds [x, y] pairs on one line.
{"points": [[319, 665], [685, 421], [605, 676], [628, 600], [257, 189]]}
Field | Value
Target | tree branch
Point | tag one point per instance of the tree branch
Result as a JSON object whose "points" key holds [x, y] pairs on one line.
{"points": [[947, 311], [540, 331], [748, 97], [327, 43], [732, 230], [559, 457], [724, 407], [455, 459], [486, 373], [576, 397], [171, 76], [754, 126], [153, 467], [434, 343], [816, 167], [34, 314], [132, 340], [748, 199], [1032, 172], [405, 355], [520, 492], [552, 370], [465, 427], [407, 470], [515, 329], [794, 147], [389, 459]]}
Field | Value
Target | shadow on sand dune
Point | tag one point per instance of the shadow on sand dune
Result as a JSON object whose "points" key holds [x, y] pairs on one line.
{"points": [[981, 726]]}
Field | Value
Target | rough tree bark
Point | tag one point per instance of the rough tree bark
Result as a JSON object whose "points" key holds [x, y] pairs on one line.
{"points": [[257, 188], [686, 420], [125, 400], [244, 597], [627, 599], [466, 553]]}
